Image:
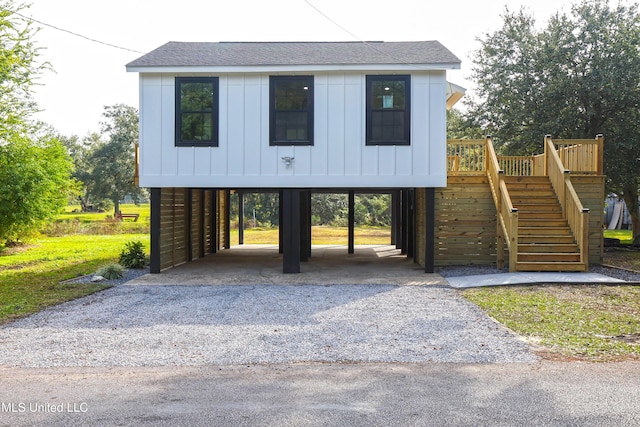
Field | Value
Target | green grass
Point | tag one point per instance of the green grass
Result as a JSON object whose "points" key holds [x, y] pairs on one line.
{"points": [[320, 235], [30, 276], [594, 323], [625, 236]]}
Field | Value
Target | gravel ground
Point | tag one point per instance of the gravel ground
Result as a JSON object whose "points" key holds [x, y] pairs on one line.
{"points": [[153, 325]]}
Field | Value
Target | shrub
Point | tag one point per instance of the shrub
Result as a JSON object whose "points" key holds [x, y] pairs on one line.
{"points": [[111, 271], [132, 256]]}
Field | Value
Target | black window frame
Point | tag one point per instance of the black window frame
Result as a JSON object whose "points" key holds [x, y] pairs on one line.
{"points": [[179, 142], [273, 112], [370, 80]]}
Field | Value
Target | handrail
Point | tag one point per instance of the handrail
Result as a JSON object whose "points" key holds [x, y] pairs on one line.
{"points": [[507, 215], [574, 212], [466, 157]]}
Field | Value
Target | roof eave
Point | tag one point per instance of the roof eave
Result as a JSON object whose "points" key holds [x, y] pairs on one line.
{"points": [[292, 68]]}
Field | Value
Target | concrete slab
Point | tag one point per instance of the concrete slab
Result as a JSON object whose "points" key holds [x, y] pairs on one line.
{"points": [[503, 279], [328, 265]]}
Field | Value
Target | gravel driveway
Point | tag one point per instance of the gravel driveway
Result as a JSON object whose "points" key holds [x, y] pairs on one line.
{"points": [[139, 324]]}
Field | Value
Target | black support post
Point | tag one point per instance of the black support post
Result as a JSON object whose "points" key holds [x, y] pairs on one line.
{"points": [[156, 197], [305, 225], [411, 224], [280, 224], [430, 232], [404, 221], [240, 218], [351, 220], [227, 219], [291, 231]]}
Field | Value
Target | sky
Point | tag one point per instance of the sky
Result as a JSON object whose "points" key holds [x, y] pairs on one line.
{"points": [[88, 74]]}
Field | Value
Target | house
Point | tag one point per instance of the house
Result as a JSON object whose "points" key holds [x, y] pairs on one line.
{"points": [[286, 117], [300, 117]]}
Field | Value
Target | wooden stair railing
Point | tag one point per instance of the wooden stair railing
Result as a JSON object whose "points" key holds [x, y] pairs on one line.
{"points": [[507, 214], [573, 211]]}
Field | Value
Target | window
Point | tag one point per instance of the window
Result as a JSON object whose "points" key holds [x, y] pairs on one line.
{"points": [[197, 111], [388, 110], [291, 110]]}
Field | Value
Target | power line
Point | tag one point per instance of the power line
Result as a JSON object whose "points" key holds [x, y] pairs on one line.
{"points": [[71, 32], [332, 21]]}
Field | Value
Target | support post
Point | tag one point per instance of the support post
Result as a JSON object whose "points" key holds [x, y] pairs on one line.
{"points": [[240, 218], [156, 201], [227, 219], [404, 204], [280, 223], [291, 231], [430, 225], [351, 220], [305, 225], [394, 217], [411, 225]]}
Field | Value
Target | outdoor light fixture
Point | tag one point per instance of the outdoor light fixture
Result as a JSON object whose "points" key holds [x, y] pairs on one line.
{"points": [[287, 160]]}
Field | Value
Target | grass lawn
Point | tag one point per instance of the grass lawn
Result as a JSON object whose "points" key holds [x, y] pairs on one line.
{"points": [[594, 323], [320, 235], [30, 276], [625, 236]]}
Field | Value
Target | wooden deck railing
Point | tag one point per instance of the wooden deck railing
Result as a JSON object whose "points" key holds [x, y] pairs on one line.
{"points": [[466, 156], [581, 155], [575, 213]]}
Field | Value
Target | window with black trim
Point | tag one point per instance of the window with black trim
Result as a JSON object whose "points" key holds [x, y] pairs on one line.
{"points": [[291, 110], [388, 110], [197, 111]]}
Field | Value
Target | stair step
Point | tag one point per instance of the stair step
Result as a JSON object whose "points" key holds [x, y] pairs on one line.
{"points": [[550, 266], [544, 231], [536, 222], [517, 179], [542, 239], [534, 207], [534, 199], [547, 248], [548, 257], [539, 215]]}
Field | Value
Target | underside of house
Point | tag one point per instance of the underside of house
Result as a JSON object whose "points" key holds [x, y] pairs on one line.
{"points": [[530, 213]]}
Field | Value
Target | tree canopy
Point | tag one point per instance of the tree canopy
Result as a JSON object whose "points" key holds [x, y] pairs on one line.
{"points": [[112, 162], [576, 77], [34, 167]]}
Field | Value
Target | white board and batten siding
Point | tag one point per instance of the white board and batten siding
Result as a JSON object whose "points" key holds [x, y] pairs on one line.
{"points": [[339, 157]]}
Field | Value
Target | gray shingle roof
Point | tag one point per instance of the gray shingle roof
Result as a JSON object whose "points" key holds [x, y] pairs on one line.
{"points": [[177, 54]]}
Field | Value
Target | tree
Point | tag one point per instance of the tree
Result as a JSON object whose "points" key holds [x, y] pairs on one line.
{"points": [[19, 69], [113, 160], [575, 78], [34, 167], [80, 152], [35, 180]]}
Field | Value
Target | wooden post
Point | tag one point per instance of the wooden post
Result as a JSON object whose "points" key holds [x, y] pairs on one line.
{"points": [[203, 226], [430, 232], [351, 220], [189, 224], [156, 208], [240, 218], [291, 231], [600, 166]]}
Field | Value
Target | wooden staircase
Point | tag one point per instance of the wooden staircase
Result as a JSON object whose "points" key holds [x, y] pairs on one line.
{"points": [[545, 240]]}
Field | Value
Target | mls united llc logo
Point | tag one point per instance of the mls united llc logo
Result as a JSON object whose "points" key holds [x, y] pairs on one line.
{"points": [[23, 407]]}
